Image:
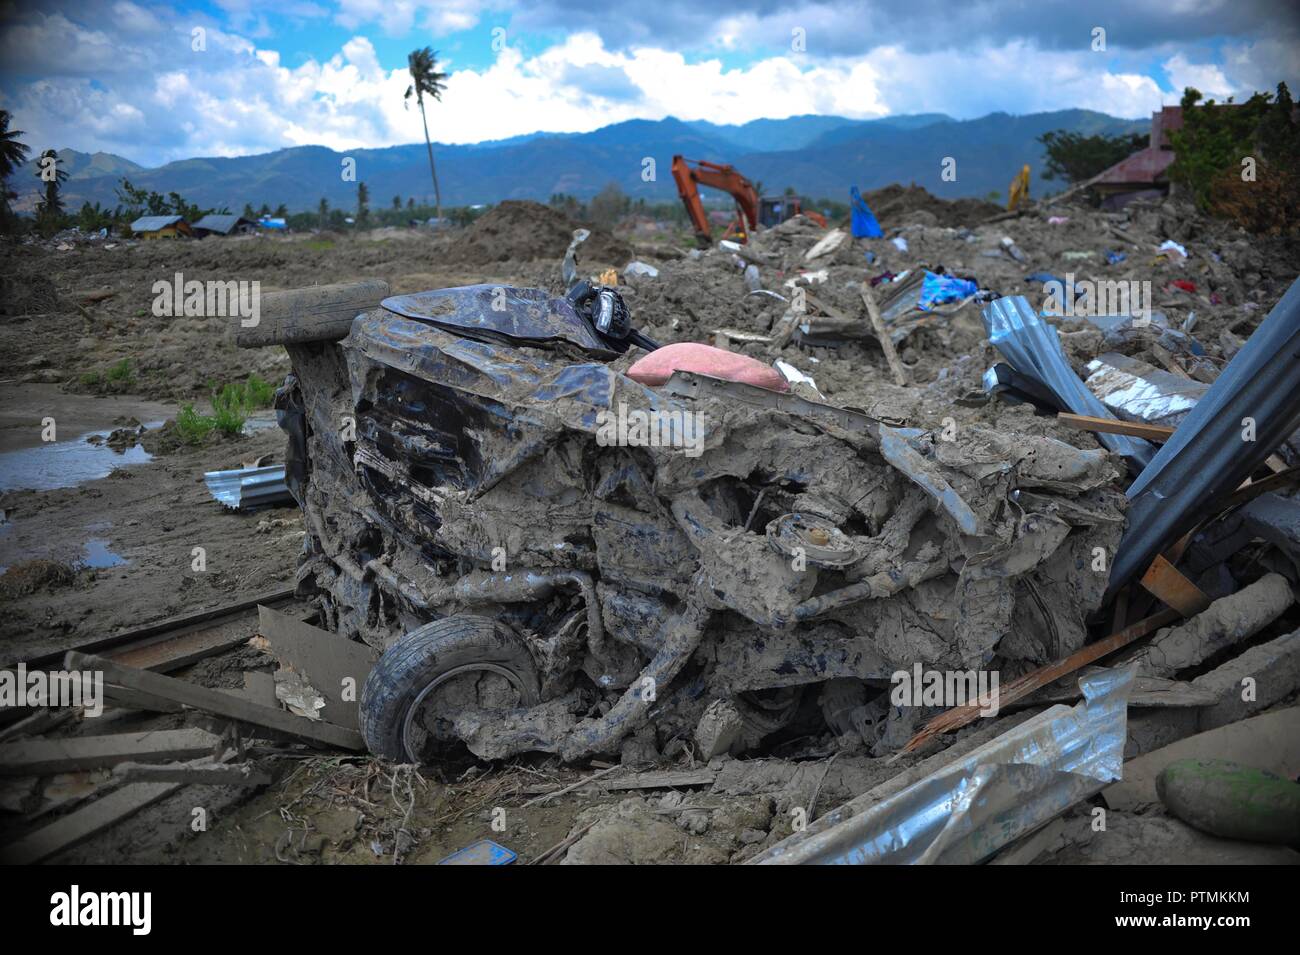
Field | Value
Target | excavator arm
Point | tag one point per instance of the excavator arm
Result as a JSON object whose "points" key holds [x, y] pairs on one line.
{"points": [[690, 174]]}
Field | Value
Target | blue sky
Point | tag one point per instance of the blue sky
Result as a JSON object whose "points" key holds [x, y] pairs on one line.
{"points": [[129, 77]]}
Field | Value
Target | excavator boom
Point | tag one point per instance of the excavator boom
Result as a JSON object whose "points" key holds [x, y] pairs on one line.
{"points": [[690, 174]]}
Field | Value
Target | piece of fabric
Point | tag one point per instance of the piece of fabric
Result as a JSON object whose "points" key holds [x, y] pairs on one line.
{"points": [[656, 367]]}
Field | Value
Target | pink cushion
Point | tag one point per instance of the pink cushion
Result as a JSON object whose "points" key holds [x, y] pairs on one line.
{"points": [[656, 367]]}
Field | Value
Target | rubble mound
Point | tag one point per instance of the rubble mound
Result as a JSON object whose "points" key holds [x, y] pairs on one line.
{"points": [[519, 230], [897, 205], [28, 294]]}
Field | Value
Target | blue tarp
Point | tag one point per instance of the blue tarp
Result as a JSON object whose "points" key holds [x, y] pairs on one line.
{"points": [[937, 289], [865, 225]]}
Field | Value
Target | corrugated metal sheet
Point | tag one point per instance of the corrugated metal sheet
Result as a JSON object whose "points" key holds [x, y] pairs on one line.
{"points": [[249, 487], [224, 224], [153, 223], [1033, 348], [1251, 408], [971, 808]]}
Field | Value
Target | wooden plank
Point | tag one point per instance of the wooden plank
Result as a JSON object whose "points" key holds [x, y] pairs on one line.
{"points": [[1167, 583], [135, 700], [67, 831], [328, 662], [1022, 686], [40, 757], [1135, 429], [882, 334], [165, 629], [222, 704], [205, 773]]}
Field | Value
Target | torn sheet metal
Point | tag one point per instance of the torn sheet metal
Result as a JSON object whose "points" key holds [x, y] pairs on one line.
{"points": [[988, 798], [1032, 347], [247, 488], [1135, 391], [1248, 412]]}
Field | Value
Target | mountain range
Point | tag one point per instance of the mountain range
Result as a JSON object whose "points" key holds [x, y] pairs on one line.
{"points": [[820, 156]]}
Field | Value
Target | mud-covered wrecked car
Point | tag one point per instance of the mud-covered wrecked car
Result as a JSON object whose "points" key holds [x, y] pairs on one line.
{"points": [[535, 587]]}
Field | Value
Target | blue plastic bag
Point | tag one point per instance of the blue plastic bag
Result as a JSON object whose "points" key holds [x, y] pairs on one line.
{"points": [[865, 225], [937, 289]]}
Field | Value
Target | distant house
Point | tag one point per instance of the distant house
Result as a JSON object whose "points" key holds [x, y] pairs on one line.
{"points": [[221, 224], [273, 222], [1145, 173], [160, 227]]}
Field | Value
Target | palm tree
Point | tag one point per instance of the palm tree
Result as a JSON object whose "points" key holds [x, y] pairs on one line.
{"points": [[363, 204], [425, 79], [12, 155], [49, 210], [324, 211], [51, 203]]}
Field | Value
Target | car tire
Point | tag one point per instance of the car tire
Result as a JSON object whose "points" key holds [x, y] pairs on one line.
{"points": [[417, 663]]}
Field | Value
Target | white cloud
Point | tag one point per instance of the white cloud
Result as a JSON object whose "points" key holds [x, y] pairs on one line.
{"points": [[145, 94], [1206, 77]]}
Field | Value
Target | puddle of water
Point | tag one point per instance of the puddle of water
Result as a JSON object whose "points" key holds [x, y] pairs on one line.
{"points": [[98, 555], [65, 463]]}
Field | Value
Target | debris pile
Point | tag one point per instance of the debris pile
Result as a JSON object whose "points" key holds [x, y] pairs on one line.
{"points": [[914, 548], [519, 230]]}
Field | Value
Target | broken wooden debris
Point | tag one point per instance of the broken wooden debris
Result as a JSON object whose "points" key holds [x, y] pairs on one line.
{"points": [[79, 825], [1022, 686], [41, 757], [1134, 429], [43, 720], [205, 772], [222, 704], [882, 334], [1165, 582], [334, 666]]}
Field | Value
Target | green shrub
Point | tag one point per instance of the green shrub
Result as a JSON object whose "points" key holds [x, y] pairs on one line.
{"points": [[231, 404], [192, 426], [120, 373]]}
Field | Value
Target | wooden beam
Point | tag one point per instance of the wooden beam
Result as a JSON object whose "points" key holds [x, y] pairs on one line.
{"points": [[1167, 583], [222, 704], [1022, 686], [67, 831], [41, 757], [1134, 429], [205, 773], [882, 334]]}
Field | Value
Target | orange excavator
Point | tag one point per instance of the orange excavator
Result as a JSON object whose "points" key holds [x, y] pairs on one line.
{"points": [[751, 210]]}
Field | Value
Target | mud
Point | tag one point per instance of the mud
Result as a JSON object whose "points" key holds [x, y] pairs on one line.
{"points": [[521, 230]]}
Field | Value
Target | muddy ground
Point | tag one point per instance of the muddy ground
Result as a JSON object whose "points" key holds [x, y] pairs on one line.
{"points": [[116, 548]]}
